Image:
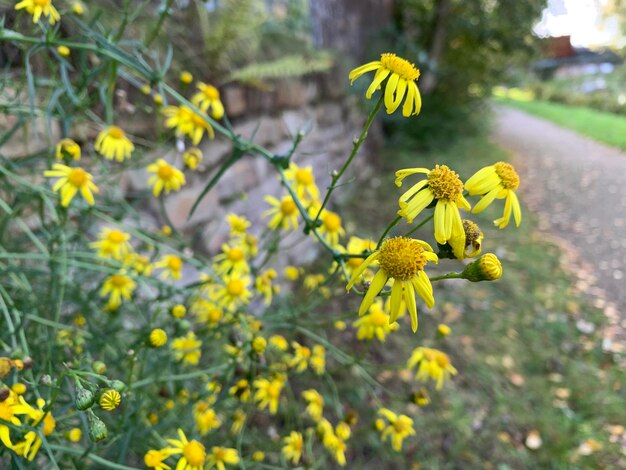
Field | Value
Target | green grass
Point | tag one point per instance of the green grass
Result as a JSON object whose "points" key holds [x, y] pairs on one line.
{"points": [[514, 342], [604, 127]]}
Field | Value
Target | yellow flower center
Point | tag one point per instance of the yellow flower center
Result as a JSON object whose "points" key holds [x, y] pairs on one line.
{"points": [[116, 236], [174, 263], [116, 133], [401, 258], [508, 175], [235, 287], [210, 92], [194, 453], [287, 206], [445, 183], [304, 176], [379, 318], [273, 390], [473, 235], [235, 254], [332, 222], [402, 67], [442, 359], [165, 172], [401, 425], [118, 281], [78, 177]]}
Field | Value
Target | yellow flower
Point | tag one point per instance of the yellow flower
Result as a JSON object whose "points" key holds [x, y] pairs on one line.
{"points": [[485, 268], [432, 363], [220, 456], [178, 311], [234, 292], [193, 452], [331, 228], [117, 287], [239, 419], [399, 428], [468, 244], [38, 8], [292, 273], [238, 225], [140, 264], [187, 122], [294, 444], [154, 459], [421, 397], [165, 177], [31, 442], [355, 246], [232, 259], [112, 243], [63, 51], [205, 417], [112, 143], [74, 435], [263, 284], [157, 338], [192, 158], [67, 147], [172, 267], [303, 181], [187, 348], [375, 324], [300, 357], [498, 181], [284, 213], [9, 407], [318, 359], [241, 390], [401, 259], [18, 388], [315, 404], [332, 442], [186, 77], [259, 344], [208, 98], [158, 99], [110, 400], [71, 181], [402, 77], [206, 311], [268, 393], [443, 330], [443, 185], [279, 342], [258, 456]]}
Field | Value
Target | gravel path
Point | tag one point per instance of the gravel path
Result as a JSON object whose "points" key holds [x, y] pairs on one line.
{"points": [[577, 187]]}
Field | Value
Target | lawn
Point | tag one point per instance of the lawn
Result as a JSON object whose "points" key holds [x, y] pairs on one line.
{"points": [[533, 390], [604, 127]]}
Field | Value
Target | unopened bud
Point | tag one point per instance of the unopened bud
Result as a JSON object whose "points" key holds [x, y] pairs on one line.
{"points": [[5, 392], [97, 429], [118, 385], [99, 367], [84, 399], [485, 268], [45, 379]]}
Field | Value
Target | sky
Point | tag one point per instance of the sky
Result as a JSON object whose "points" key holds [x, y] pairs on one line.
{"points": [[580, 19]]}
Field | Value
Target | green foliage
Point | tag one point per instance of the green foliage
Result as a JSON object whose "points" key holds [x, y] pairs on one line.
{"points": [[285, 67]]}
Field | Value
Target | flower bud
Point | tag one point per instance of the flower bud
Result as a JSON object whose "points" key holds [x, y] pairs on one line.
{"points": [[485, 268], [118, 385], [45, 379], [99, 367], [97, 429], [84, 399], [5, 392], [6, 365]]}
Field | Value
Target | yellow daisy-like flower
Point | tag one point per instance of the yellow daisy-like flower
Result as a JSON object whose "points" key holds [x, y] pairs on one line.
{"points": [[185, 77], [318, 359], [112, 143], [74, 435], [241, 390], [110, 400], [232, 258], [112, 243], [220, 456], [31, 442], [192, 158], [37, 8], [208, 98], [358, 245], [193, 452], [443, 185], [172, 267], [399, 427], [375, 324], [315, 404], [140, 264], [9, 408], [332, 441], [234, 292], [300, 358], [284, 213], [187, 349], [331, 228], [238, 225], [157, 338], [401, 75], [166, 177], [78, 8], [268, 393], [63, 51], [263, 285], [401, 259], [294, 444], [67, 148], [72, 180], [118, 286], [187, 122], [154, 459], [498, 181], [432, 363], [303, 181], [205, 417]]}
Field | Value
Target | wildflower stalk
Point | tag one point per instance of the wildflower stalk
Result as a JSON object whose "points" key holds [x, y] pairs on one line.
{"points": [[447, 276], [355, 149], [389, 227]]}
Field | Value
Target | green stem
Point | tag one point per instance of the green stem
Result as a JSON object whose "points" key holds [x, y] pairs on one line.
{"points": [[389, 227], [81, 453], [355, 149], [419, 225], [447, 276]]}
